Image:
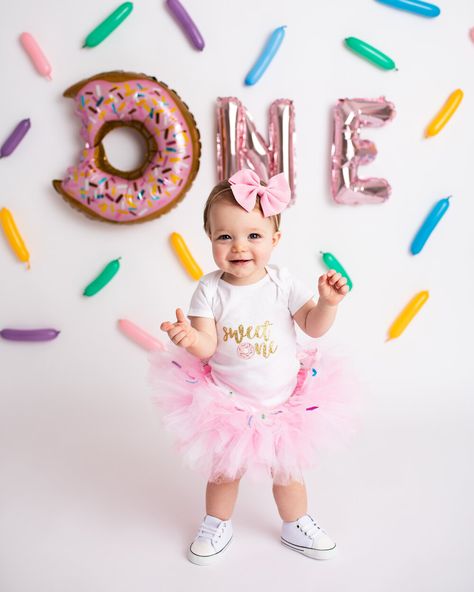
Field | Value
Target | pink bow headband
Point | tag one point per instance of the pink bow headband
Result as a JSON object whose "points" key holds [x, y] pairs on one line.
{"points": [[274, 197]]}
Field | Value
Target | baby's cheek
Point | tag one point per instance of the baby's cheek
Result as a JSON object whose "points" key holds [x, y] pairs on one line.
{"points": [[219, 252]]}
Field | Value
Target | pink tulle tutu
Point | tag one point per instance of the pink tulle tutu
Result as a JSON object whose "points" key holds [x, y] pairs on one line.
{"points": [[223, 439]]}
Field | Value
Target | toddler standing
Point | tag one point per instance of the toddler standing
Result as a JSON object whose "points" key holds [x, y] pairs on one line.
{"points": [[238, 392]]}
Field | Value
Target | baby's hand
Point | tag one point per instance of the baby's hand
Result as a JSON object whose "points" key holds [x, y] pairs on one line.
{"points": [[181, 333], [332, 287]]}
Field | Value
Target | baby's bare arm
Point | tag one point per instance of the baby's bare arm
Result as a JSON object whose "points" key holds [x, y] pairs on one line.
{"points": [[315, 319], [206, 343]]}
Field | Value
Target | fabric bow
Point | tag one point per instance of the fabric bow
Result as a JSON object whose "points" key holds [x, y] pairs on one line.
{"points": [[274, 197]]}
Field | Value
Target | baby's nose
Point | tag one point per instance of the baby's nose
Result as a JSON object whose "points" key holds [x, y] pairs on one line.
{"points": [[238, 246]]}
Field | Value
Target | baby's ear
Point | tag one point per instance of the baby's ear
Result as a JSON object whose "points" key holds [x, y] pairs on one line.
{"points": [[276, 238]]}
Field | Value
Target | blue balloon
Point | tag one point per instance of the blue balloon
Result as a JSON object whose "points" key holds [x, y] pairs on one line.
{"points": [[430, 223], [416, 6], [266, 56]]}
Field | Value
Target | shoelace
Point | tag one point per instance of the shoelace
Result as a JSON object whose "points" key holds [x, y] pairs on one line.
{"points": [[311, 529], [207, 532]]}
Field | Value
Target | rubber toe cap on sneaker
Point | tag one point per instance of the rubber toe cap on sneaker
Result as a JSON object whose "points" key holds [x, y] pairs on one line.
{"points": [[323, 543], [203, 553], [202, 548]]}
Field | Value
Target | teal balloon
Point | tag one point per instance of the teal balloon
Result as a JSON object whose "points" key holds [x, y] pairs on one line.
{"points": [[110, 24], [332, 263], [103, 278], [370, 53]]}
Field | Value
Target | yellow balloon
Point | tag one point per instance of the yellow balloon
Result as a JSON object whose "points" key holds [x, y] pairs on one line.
{"points": [[187, 260], [411, 309], [445, 113], [13, 236]]}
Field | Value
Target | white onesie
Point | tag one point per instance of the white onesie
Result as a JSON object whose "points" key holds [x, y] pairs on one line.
{"points": [[255, 357]]}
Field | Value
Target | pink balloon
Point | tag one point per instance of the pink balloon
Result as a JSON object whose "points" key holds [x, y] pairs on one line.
{"points": [[139, 336], [36, 54], [349, 151], [240, 145], [471, 33]]}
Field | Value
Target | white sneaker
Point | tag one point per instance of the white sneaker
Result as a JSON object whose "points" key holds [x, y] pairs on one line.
{"points": [[211, 542], [306, 537]]}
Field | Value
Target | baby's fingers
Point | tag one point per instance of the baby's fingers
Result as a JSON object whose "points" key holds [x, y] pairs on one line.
{"points": [[333, 278], [344, 290], [180, 316], [166, 326], [341, 282], [178, 337], [176, 329], [185, 338]]}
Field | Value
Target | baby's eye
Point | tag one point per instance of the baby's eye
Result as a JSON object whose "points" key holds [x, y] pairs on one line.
{"points": [[223, 237], [255, 235]]}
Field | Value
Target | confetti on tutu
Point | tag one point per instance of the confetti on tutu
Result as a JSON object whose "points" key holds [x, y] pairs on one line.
{"points": [[221, 437]]}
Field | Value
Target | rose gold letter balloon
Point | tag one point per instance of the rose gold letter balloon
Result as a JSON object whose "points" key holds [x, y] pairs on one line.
{"points": [[349, 151], [239, 144]]}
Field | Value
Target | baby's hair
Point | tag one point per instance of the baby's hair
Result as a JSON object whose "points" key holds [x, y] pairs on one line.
{"points": [[223, 192]]}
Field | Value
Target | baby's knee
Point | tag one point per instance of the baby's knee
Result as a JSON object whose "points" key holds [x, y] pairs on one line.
{"points": [[284, 481], [223, 479]]}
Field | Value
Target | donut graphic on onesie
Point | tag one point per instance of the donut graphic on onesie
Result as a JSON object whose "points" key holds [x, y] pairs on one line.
{"points": [[116, 99], [245, 350]]}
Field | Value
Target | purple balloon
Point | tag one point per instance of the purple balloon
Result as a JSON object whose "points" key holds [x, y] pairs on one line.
{"points": [[29, 334], [187, 23], [15, 138]]}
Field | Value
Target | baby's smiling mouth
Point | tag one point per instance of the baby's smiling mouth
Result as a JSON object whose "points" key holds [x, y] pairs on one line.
{"points": [[239, 261]]}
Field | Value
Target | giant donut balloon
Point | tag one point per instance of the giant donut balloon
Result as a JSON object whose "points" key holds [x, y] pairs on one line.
{"points": [[125, 99]]}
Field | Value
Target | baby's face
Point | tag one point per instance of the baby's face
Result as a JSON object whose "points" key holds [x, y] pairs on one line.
{"points": [[242, 242]]}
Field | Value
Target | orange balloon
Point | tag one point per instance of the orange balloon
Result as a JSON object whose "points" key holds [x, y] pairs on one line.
{"points": [[13, 236], [411, 309], [187, 260], [445, 113]]}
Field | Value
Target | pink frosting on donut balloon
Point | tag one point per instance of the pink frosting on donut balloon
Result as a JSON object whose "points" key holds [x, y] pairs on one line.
{"points": [[122, 99]]}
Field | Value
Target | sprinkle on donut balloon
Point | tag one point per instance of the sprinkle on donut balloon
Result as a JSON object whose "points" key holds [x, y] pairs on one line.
{"points": [[123, 99]]}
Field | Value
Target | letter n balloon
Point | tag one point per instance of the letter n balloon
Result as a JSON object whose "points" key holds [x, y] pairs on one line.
{"points": [[240, 145]]}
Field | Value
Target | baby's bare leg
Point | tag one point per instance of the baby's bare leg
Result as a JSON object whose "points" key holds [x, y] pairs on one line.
{"points": [[220, 498], [291, 500]]}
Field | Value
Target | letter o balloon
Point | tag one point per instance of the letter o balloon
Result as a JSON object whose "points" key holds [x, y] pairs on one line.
{"points": [[118, 99]]}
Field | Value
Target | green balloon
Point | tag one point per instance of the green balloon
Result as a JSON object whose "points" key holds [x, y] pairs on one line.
{"points": [[110, 24], [370, 53], [332, 263], [103, 278]]}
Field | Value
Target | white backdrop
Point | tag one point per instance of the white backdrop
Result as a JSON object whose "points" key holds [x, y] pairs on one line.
{"points": [[92, 495]]}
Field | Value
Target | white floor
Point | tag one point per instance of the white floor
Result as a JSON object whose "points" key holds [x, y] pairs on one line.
{"points": [[91, 511]]}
